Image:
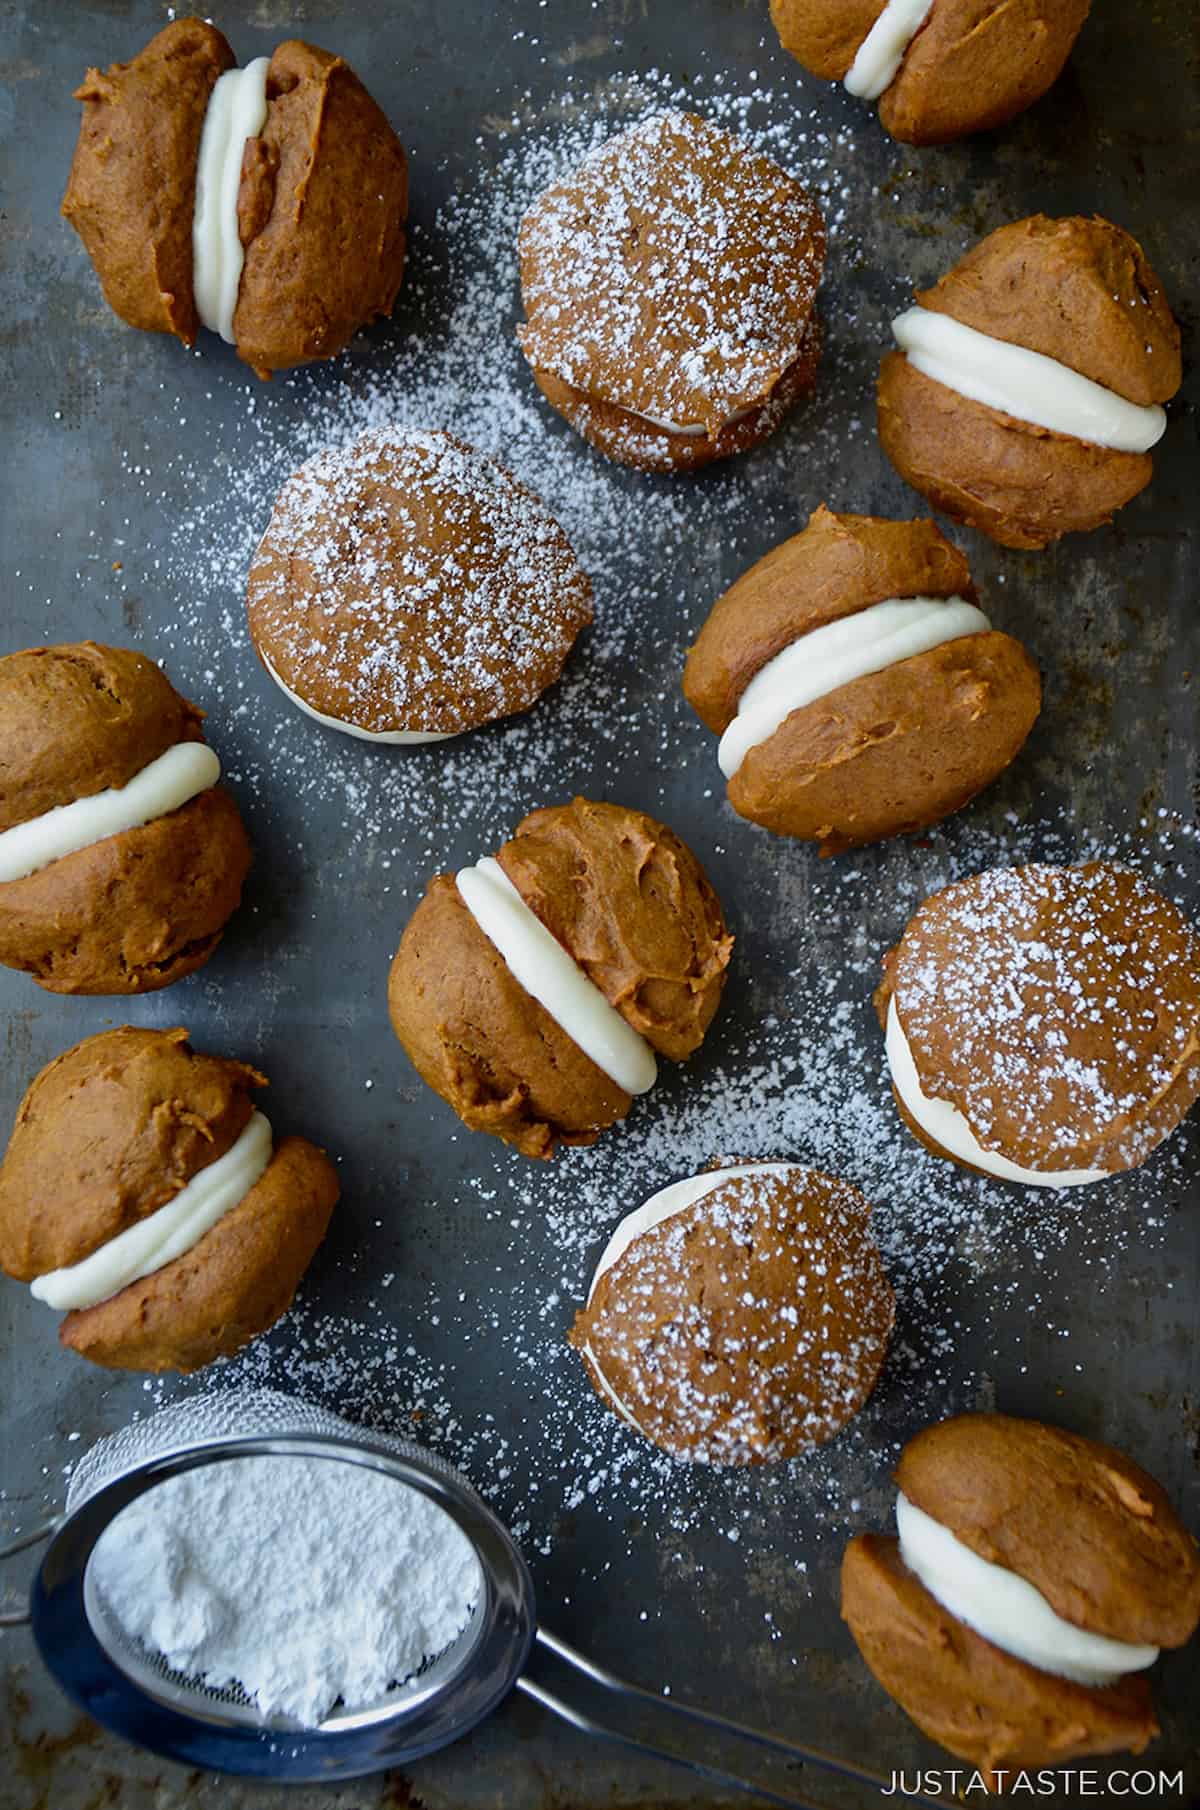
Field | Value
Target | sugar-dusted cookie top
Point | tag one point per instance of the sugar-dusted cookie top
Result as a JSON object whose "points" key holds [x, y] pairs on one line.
{"points": [[673, 273], [408, 583]]}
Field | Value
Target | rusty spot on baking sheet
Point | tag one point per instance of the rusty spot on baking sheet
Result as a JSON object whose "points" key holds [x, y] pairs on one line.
{"points": [[33, 1759], [1090, 699], [398, 1794]]}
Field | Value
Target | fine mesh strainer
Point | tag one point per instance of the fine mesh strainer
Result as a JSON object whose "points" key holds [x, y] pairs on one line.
{"points": [[134, 1692]]}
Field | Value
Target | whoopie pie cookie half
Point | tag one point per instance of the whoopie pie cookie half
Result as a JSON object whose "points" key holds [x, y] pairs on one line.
{"points": [[740, 1316], [1027, 386], [408, 588], [669, 285], [534, 990], [940, 69], [1043, 1023], [857, 687], [121, 858], [266, 203], [1035, 1577], [143, 1195]]}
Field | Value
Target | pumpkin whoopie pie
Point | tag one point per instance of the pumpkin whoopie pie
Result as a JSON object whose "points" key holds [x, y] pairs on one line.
{"points": [[857, 687], [121, 859], [1035, 1578], [408, 589], [740, 1316], [1043, 1023], [266, 203], [940, 69], [669, 285], [534, 990], [143, 1195], [1026, 391]]}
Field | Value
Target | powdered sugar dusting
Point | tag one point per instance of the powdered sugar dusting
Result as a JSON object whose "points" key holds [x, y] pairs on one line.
{"points": [[672, 273], [405, 582], [747, 1327], [1056, 1007], [464, 1275]]}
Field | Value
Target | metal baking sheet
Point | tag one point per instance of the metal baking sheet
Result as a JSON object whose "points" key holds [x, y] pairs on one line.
{"points": [[135, 482]]}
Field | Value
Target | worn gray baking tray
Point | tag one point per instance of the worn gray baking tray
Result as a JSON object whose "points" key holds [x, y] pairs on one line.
{"points": [[135, 480]]}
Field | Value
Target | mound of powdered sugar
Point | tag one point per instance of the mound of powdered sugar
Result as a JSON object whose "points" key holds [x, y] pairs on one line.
{"points": [[304, 1582]]}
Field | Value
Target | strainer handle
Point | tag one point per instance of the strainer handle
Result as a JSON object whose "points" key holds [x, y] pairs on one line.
{"points": [[675, 1706], [587, 1725], [17, 1618]]}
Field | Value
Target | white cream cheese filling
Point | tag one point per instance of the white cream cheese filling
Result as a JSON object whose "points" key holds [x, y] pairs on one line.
{"points": [[169, 1232], [834, 655], [167, 783], [1024, 384], [691, 430], [237, 110], [675, 1198], [882, 50], [947, 1126], [1006, 1609], [408, 738], [539, 963]]}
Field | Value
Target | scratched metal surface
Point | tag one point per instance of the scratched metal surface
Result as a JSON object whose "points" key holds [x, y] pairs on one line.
{"points": [[1112, 617]]}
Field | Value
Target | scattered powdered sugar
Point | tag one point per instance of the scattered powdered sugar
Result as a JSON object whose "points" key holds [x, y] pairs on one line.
{"points": [[302, 1581], [458, 1313], [458, 366]]}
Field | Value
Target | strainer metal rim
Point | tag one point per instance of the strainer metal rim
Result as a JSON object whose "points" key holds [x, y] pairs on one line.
{"points": [[498, 1645]]}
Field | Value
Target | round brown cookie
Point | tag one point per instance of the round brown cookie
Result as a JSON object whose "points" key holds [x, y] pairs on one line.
{"points": [[892, 750], [979, 1702], [79, 718], [1075, 290], [633, 908], [630, 440], [132, 186], [324, 243], [661, 355], [745, 1326], [321, 213], [408, 588], [1075, 1521], [138, 909], [1079, 1521], [110, 1132], [1057, 1009], [234, 1284], [105, 1134], [971, 65]]}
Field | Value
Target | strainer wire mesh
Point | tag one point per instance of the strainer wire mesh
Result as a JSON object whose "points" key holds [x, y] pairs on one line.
{"points": [[190, 1425]]}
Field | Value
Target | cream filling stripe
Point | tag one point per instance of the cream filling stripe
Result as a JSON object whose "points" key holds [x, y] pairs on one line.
{"points": [[539, 963], [169, 1232], [167, 783], [1006, 1609], [237, 110], [835, 655], [1024, 384], [947, 1126], [882, 50], [397, 737], [676, 1198]]}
